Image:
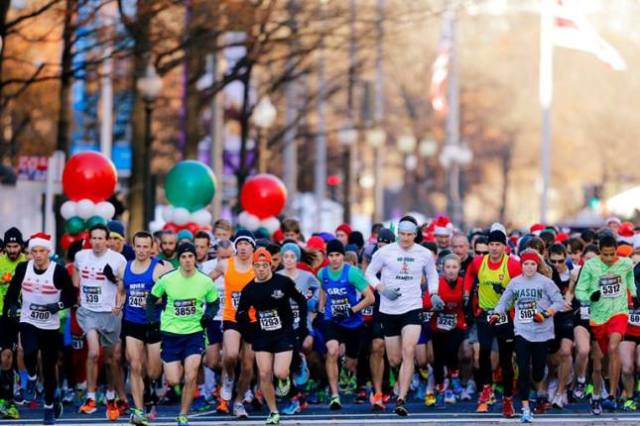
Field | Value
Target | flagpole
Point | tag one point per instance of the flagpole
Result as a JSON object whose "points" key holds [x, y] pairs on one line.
{"points": [[546, 95]]}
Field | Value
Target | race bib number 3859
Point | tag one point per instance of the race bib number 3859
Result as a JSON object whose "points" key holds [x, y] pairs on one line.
{"points": [[185, 307]]}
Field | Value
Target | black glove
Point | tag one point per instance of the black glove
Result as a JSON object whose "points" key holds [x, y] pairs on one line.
{"points": [[466, 300], [635, 301], [342, 315], [13, 311], [205, 321], [54, 307], [498, 288], [595, 296], [108, 273]]}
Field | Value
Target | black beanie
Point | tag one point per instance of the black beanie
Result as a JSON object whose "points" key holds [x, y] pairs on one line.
{"points": [[497, 237], [186, 247], [13, 235], [335, 246]]}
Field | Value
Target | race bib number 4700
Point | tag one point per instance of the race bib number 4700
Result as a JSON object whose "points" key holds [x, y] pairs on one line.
{"points": [[39, 313]]}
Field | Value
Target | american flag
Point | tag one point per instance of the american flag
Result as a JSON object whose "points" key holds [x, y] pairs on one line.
{"points": [[440, 68], [572, 30]]}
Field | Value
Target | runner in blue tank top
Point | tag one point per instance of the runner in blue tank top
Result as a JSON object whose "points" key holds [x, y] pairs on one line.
{"points": [[344, 293], [142, 338]]}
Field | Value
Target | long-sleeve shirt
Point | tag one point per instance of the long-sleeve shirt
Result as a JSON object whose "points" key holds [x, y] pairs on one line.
{"points": [[613, 282], [530, 295], [403, 269]]}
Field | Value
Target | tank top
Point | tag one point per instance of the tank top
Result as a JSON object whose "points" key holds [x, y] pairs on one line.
{"points": [[38, 290], [341, 296], [96, 293], [487, 278], [136, 287], [234, 283]]}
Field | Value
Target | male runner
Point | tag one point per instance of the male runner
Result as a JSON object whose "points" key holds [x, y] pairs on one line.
{"points": [[403, 265], [168, 244], [604, 281], [341, 305], [45, 288], [493, 271], [274, 338], [100, 315], [238, 272], [142, 338], [182, 322]]}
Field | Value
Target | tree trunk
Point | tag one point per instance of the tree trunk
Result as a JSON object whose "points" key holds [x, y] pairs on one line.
{"points": [[64, 115], [244, 168]]}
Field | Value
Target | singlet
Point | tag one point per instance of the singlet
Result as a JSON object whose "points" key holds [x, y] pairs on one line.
{"points": [[341, 296], [487, 278], [7, 269], [39, 290], [234, 283], [136, 287], [97, 294]]}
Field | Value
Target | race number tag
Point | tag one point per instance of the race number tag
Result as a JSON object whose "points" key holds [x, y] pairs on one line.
{"points": [[269, 320], [295, 310], [368, 311], [39, 313], [634, 317], [77, 342], [502, 320], [526, 312], [340, 305], [92, 295], [585, 312], [446, 322], [136, 299], [611, 286], [426, 316], [235, 299], [185, 307]]}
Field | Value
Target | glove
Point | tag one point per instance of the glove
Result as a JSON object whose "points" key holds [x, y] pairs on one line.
{"points": [[635, 301], [493, 318], [342, 315], [108, 273], [539, 317], [466, 300], [595, 296], [437, 302], [13, 311], [205, 320], [54, 307], [498, 288], [391, 293]]}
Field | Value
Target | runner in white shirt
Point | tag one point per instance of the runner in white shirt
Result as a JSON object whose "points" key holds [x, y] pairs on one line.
{"points": [[100, 315], [402, 266]]}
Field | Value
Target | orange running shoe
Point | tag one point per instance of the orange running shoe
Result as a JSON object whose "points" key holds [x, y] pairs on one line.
{"points": [[89, 407], [113, 413], [377, 402], [223, 406]]}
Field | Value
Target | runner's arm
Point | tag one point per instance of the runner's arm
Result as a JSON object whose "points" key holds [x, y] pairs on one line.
{"points": [[583, 287], [75, 278], [322, 300], [242, 313], [157, 291], [471, 274], [13, 292], [296, 296], [377, 262], [62, 281], [431, 274], [557, 301], [631, 284], [368, 299], [219, 270], [505, 300]]}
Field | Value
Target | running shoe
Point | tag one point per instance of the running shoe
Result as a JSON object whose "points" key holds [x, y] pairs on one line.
{"points": [[440, 403], [227, 388], [610, 404], [541, 405], [557, 402], [49, 416], [138, 418], [89, 406], [456, 385], [526, 417], [248, 397], [273, 419], [400, 408], [335, 403], [507, 408], [182, 420], [362, 396], [223, 407], [301, 376], [294, 407], [18, 397], [123, 407], [30, 393], [579, 391], [377, 402], [12, 412], [58, 408], [69, 395], [596, 407], [630, 405], [3, 408], [283, 387], [429, 399], [151, 411], [449, 397], [113, 413], [239, 411]]}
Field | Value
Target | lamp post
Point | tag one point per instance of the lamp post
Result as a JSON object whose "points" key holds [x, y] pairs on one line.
{"points": [[264, 114], [348, 137], [149, 88], [376, 138]]}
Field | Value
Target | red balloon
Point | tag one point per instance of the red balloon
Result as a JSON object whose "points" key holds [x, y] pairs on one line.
{"points": [[192, 227], [89, 175], [66, 241], [263, 195], [171, 227]]}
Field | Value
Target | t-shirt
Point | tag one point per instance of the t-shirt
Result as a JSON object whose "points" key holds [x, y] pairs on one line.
{"points": [[272, 303], [7, 268], [307, 284], [207, 268], [403, 269], [528, 296], [96, 292], [186, 297], [613, 282], [175, 262]]}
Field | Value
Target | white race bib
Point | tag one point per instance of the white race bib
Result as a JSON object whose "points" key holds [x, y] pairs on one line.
{"points": [[611, 286], [634, 317], [339, 305], [92, 296], [585, 313], [235, 299], [39, 313], [368, 311], [183, 308], [446, 322], [526, 311], [269, 320], [502, 320]]}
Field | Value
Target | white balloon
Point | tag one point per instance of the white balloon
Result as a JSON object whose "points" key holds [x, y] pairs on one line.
{"points": [[105, 209], [271, 224], [201, 217], [167, 214], [85, 209], [181, 216], [68, 210], [248, 221]]}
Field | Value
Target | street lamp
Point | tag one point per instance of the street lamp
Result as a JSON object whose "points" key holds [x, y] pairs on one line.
{"points": [[149, 86], [264, 114]]}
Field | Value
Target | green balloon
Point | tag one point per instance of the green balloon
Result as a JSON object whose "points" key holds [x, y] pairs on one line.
{"points": [[74, 225], [190, 184], [95, 220], [262, 232]]}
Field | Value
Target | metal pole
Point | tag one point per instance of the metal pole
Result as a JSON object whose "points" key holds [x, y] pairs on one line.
{"points": [[320, 178], [349, 181], [106, 125], [379, 115], [217, 142], [148, 190]]}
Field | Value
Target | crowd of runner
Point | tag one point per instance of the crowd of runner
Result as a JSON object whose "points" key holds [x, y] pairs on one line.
{"points": [[226, 320]]}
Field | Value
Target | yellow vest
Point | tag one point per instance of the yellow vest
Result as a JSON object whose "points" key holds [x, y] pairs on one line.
{"points": [[7, 268], [487, 278]]}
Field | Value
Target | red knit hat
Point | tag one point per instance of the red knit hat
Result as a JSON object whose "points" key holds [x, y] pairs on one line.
{"points": [[530, 255], [344, 228], [537, 227], [262, 255], [316, 243]]}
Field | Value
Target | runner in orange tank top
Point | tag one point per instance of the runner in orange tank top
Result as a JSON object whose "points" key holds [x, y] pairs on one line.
{"points": [[238, 272]]}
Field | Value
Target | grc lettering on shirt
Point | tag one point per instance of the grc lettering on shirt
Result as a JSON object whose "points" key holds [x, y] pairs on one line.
{"points": [[337, 291]]}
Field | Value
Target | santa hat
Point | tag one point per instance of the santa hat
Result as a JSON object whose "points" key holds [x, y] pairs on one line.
{"points": [[537, 228], [40, 240], [614, 219]]}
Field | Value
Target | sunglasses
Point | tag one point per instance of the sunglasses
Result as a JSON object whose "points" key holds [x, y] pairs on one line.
{"points": [[557, 261], [481, 253]]}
